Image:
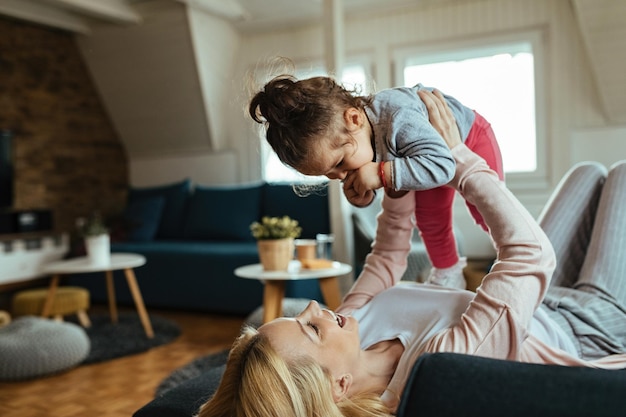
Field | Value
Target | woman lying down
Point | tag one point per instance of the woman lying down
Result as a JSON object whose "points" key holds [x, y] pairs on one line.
{"points": [[355, 361]]}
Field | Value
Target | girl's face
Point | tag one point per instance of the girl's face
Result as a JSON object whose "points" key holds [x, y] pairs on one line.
{"points": [[337, 156], [330, 339]]}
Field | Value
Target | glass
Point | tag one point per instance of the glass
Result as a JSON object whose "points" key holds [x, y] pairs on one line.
{"points": [[325, 245]]}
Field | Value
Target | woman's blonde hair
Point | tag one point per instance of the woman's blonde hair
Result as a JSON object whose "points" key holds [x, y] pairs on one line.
{"points": [[257, 382]]}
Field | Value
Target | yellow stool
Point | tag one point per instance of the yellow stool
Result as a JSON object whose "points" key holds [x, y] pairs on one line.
{"points": [[67, 300]]}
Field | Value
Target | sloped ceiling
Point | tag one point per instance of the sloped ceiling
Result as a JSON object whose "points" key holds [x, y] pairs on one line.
{"points": [[71, 15], [602, 26]]}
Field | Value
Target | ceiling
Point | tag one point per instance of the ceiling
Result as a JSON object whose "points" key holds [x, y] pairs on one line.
{"points": [[246, 15], [601, 24]]}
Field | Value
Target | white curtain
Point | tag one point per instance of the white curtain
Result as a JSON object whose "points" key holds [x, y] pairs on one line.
{"points": [[342, 227], [340, 209]]}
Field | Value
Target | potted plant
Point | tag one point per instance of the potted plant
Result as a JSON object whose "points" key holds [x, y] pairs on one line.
{"points": [[96, 235], [275, 239]]}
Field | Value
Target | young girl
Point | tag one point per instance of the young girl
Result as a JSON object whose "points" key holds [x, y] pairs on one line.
{"points": [[318, 127]]}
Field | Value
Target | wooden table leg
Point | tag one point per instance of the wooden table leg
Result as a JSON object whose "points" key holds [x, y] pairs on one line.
{"points": [[141, 308], [273, 300], [331, 292], [83, 318], [49, 302], [111, 296]]}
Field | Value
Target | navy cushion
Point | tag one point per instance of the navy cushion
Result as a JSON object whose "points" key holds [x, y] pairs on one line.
{"points": [[311, 211], [175, 200], [143, 218], [220, 213]]}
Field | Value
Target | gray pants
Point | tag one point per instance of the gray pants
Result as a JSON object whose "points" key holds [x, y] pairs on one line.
{"points": [[587, 294]]}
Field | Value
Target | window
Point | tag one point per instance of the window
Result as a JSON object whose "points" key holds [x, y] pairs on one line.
{"points": [[497, 78], [354, 75]]}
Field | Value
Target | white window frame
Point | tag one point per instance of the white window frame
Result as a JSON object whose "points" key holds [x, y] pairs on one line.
{"points": [[517, 181]]}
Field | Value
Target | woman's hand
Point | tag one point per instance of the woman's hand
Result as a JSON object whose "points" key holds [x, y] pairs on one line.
{"points": [[441, 117]]}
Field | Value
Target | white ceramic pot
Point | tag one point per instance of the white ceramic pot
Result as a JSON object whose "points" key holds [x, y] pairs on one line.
{"points": [[99, 249]]}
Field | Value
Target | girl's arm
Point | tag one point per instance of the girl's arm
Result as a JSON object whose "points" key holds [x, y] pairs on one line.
{"points": [[417, 157], [422, 160]]}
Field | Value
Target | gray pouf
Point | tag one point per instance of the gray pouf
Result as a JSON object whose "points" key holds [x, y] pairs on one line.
{"points": [[291, 308], [32, 346]]}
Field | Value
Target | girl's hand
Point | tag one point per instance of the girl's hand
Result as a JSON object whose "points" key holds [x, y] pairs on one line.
{"points": [[357, 200], [441, 117], [357, 193], [366, 178]]}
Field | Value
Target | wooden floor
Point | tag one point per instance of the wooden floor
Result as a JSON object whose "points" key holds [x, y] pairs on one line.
{"points": [[119, 387]]}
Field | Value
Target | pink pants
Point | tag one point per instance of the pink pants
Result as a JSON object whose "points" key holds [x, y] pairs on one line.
{"points": [[433, 208]]}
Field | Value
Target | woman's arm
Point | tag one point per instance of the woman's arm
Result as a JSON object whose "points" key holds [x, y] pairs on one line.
{"points": [[386, 263], [496, 322]]}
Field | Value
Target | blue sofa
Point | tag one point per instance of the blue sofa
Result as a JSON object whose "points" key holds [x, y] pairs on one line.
{"points": [[193, 237]]}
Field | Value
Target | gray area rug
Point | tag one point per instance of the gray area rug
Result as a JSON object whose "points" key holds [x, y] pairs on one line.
{"points": [[193, 369], [127, 337], [291, 307]]}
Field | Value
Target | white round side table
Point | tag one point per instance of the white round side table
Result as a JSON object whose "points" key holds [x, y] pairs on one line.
{"points": [[119, 261], [275, 282]]}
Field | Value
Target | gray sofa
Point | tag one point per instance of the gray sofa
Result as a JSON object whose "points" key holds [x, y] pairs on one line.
{"points": [[193, 238]]}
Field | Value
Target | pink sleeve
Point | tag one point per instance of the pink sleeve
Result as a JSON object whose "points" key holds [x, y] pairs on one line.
{"points": [[496, 322], [386, 263]]}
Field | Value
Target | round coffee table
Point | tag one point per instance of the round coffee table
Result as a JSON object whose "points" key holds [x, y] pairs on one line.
{"points": [[125, 261], [275, 282]]}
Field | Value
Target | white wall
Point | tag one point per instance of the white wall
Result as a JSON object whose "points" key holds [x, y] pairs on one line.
{"points": [[606, 145], [218, 168]]}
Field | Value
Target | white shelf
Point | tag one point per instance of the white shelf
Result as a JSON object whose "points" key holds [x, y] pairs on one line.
{"points": [[23, 259]]}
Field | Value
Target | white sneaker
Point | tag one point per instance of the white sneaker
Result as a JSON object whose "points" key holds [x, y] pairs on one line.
{"points": [[451, 277]]}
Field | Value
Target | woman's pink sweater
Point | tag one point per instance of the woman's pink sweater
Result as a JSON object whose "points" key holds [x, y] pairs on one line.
{"points": [[496, 322]]}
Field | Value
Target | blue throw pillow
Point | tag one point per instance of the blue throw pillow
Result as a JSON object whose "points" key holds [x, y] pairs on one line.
{"points": [[175, 198], [223, 213], [143, 218]]}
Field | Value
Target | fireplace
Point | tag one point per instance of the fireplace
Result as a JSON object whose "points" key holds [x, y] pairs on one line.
{"points": [[11, 220]]}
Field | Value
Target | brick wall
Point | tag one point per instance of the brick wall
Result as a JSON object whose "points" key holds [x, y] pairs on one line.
{"points": [[68, 157]]}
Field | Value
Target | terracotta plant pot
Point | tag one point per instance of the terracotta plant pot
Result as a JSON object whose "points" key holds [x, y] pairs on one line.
{"points": [[275, 254]]}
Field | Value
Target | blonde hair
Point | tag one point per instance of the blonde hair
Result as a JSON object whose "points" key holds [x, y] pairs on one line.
{"points": [[257, 382]]}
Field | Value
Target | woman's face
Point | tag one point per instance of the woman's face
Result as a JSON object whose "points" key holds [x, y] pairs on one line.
{"points": [[330, 339]]}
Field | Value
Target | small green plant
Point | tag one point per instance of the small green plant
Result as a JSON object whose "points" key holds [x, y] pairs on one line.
{"points": [[93, 225], [275, 228]]}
